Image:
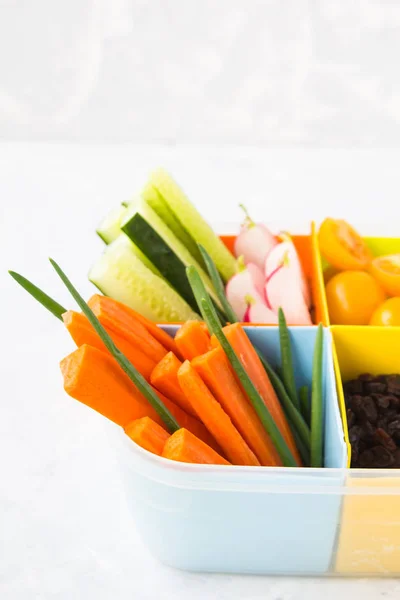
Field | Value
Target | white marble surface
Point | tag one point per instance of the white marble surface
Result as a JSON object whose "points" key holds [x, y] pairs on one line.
{"points": [[233, 71], [65, 531]]}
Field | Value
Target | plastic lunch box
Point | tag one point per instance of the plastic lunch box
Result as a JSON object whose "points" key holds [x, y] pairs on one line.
{"points": [[331, 521]]}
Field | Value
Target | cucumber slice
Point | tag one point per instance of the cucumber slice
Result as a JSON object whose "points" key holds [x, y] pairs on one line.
{"points": [[152, 236], [193, 222], [158, 204], [109, 229], [121, 274]]}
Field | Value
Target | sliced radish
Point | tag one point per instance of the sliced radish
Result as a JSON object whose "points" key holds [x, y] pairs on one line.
{"points": [[248, 282], [258, 312], [257, 276], [286, 253], [254, 242], [282, 290]]}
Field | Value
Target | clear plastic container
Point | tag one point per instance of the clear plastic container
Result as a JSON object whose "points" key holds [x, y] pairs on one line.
{"points": [[245, 519]]}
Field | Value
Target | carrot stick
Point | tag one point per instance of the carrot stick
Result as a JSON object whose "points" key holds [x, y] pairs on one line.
{"points": [[93, 377], [164, 377], [126, 326], [215, 370], [192, 339], [82, 332], [193, 424], [148, 434], [183, 446], [117, 308], [214, 417], [244, 349]]}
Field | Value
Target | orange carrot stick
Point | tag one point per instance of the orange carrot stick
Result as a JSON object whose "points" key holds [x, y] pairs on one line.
{"points": [[214, 417], [215, 370], [94, 378], [164, 377], [183, 446], [126, 326], [148, 434], [247, 355], [82, 332], [193, 424], [192, 339], [117, 308]]}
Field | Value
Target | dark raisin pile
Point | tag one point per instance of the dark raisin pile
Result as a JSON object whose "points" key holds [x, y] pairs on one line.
{"points": [[373, 417]]}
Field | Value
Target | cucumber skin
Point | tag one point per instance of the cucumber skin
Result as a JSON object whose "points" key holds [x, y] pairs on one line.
{"points": [[192, 221], [161, 255], [156, 201], [140, 206], [120, 274]]}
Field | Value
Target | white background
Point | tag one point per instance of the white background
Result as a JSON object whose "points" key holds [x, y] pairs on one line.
{"points": [[284, 106], [275, 72]]}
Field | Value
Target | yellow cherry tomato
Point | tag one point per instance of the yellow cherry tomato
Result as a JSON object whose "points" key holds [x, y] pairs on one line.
{"points": [[352, 297], [387, 313], [329, 272], [386, 270], [342, 247]]}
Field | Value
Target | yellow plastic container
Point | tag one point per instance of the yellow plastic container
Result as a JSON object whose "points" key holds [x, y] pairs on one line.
{"points": [[369, 530]]}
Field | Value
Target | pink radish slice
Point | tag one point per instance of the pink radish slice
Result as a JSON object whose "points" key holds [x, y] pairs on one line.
{"points": [[258, 277], [241, 285], [254, 241], [286, 253], [258, 312], [283, 290]]}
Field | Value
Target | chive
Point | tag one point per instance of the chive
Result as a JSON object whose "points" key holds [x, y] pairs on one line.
{"points": [[121, 359], [213, 324], [54, 307], [287, 360], [304, 403], [302, 448], [317, 402], [298, 423], [218, 285]]}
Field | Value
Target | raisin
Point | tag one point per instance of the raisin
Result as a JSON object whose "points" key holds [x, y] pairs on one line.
{"points": [[367, 431], [391, 414], [393, 384], [369, 409], [351, 418], [365, 377], [356, 403], [352, 387], [375, 387], [394, 429], [382, 423], [394, 402], [355, 434], [381, 401], [377, 457], [383, 439]]}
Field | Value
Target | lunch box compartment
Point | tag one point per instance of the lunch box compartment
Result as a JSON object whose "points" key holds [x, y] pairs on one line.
{"points": [[369, 537], [244, 519]]}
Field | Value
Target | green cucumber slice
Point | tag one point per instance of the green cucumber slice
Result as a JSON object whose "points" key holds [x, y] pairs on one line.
{"points": [[193, 222], [158, 204], [152, 236], [109, 229], [121, 274]]}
